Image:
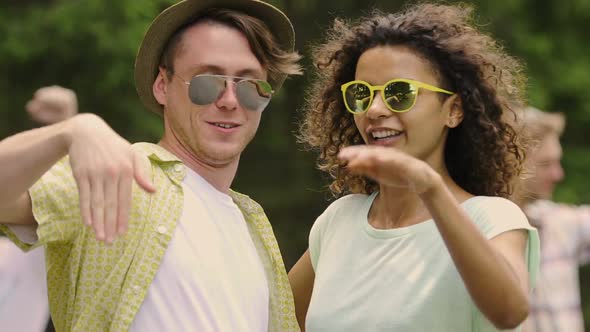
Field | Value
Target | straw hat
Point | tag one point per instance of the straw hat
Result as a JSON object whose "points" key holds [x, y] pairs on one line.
{"points": [[172, 18]]}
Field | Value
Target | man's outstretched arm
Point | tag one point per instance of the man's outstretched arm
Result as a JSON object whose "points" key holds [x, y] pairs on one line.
{"points": [[103, 164], [48, 105], [25, 157]]}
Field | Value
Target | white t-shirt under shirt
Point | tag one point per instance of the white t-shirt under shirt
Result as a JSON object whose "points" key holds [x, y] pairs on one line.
{"points": [[211, 278], [400, 279]]}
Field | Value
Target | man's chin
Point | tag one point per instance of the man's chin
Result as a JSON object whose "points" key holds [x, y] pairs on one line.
{"points": [[222, 157]]}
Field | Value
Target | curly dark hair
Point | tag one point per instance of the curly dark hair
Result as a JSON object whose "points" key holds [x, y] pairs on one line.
{"points": [[483, 154]]}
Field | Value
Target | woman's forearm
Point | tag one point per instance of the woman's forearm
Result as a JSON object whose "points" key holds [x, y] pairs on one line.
{"points": [[494, 285]]}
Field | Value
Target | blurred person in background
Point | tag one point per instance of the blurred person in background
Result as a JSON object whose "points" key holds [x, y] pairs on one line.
{"points": [[23, 285], [564, 229], [52, 104]]}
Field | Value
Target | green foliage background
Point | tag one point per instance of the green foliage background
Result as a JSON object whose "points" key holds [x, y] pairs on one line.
{"points": [[90, 45]]}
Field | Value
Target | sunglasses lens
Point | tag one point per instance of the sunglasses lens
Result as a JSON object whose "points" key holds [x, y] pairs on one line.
{"points": [[400, 96], [357, 97], [205, 89], [253, 95]]}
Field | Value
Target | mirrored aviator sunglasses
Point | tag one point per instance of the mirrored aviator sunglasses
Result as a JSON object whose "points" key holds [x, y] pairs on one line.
{"points": [[252, 94], [399, 95]]}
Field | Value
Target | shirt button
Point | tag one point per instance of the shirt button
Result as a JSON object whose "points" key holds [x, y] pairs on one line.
{"points": [[161, 229], [178, 168]]}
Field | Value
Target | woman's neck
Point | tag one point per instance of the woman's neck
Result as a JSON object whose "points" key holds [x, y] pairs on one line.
{"points": [[396, 207]]}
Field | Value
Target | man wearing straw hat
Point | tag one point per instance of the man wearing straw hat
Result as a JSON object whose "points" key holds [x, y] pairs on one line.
{"points": [[180, 251]]}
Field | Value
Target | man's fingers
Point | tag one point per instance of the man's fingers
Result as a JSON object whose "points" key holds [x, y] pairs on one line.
{"points": [[109, 165], [84, 192], [111, 186], [97, 207], [141, 173]]}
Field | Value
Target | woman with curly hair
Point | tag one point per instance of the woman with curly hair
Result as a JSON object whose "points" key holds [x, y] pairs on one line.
{"points": [[409, 117]]}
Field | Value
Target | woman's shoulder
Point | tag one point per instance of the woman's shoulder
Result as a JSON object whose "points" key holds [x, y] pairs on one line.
{"points": [[351, 202], [495, 215], [343, 208], [491, 204], [351, 199]]}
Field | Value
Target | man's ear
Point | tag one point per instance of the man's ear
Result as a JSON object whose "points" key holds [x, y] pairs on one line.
{"points": [[160, 87], [455, 113]]}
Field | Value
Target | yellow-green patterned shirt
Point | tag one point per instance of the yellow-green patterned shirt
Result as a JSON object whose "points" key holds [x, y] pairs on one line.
{"points": [[94, 287]]}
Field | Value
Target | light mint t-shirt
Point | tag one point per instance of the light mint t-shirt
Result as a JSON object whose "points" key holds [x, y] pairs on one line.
{"points": [[399, 279]]}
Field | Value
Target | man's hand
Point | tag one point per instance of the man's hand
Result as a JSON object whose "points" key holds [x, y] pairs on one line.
{"points": [[52, 104], [104, 166]]}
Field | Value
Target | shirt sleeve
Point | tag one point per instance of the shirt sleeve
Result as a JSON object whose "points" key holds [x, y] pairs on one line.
{"points": [[315, 238], [330, 220], [320, 228], [496, 215], [56, 209]]}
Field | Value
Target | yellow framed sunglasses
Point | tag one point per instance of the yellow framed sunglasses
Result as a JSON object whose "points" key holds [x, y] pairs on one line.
{"points": [[399, 95]]}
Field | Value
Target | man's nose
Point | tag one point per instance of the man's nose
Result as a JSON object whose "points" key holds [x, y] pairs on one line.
{"points": [[228, 99]]}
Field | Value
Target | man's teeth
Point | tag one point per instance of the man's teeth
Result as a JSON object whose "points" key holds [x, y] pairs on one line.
{"points": [[225, 125], [385, 133]]}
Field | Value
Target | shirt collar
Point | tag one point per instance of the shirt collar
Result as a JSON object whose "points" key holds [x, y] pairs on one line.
{"points": [[175, 169]]}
